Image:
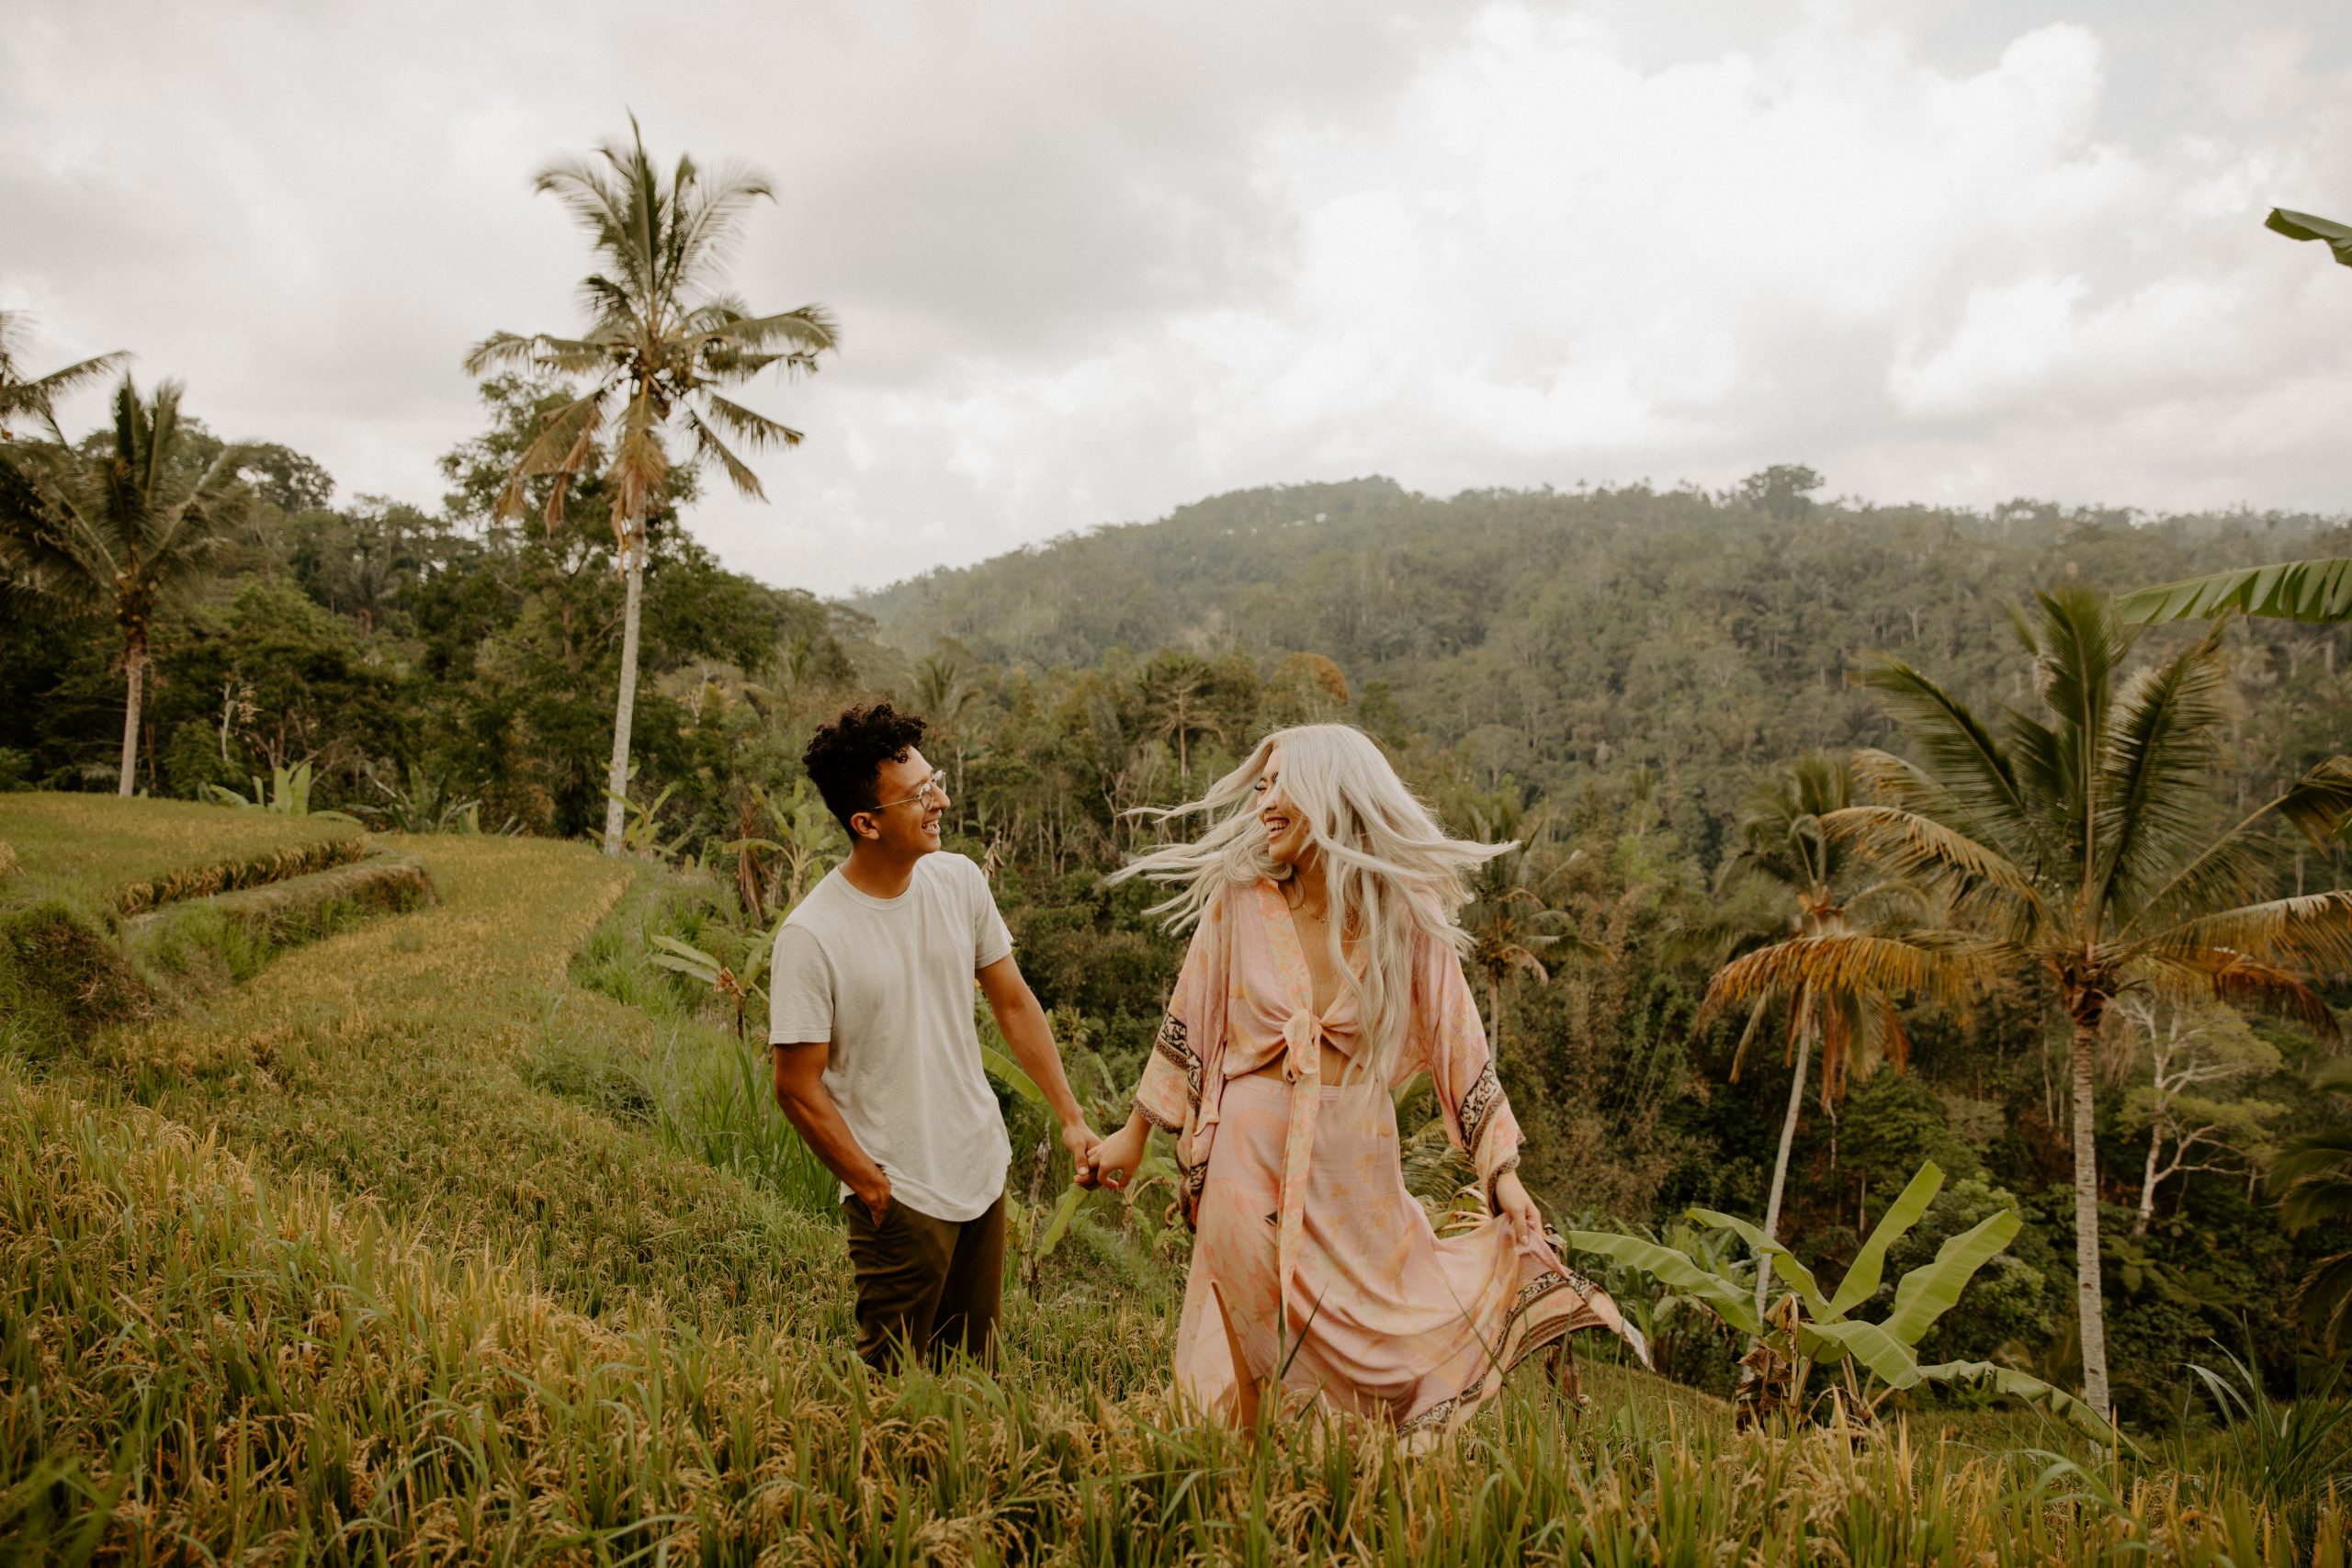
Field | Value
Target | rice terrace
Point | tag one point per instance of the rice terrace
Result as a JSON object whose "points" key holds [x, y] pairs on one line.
{"points": [[1440, 1002]]}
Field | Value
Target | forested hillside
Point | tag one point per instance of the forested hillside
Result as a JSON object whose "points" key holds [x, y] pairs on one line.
{"points": [[1562, 638]]}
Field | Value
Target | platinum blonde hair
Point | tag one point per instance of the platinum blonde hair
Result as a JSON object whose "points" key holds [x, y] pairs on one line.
{"points": [[1392, 873]]}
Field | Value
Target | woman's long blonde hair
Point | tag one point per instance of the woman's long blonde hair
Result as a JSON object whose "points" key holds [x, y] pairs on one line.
{"points": [[1391, 871]]}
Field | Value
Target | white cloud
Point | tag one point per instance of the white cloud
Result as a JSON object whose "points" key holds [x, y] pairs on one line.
{"points": [[1095, 264]]}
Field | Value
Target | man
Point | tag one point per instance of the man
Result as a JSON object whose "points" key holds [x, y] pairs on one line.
{"points": [[876, 1059]]}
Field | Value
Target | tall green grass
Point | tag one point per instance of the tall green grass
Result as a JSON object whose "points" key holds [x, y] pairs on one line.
{"points": [[705, 1093], [197, 1362]]}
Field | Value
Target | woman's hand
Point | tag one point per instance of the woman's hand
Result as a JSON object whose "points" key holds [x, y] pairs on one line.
{"points": [[1115, 1157], [1517, 1210]]}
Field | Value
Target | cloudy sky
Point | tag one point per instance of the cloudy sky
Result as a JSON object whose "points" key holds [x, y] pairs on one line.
{"points": [[1097, 258]]}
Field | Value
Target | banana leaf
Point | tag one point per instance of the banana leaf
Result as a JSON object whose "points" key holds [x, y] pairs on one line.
{"points": [[1784, 1263], [2286, 591], [686, 960], [1889, 1359], [2310, 225], [1060, 1222], [1007, 1071], [1730, 1302], [1929, 1291], [2025, 1386], [1870, 1264]]}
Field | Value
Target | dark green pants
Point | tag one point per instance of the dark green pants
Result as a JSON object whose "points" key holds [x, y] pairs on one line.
{"points": [[924, 1286]]}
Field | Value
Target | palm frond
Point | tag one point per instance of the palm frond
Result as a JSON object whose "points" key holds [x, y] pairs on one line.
{"points": [[2158, 754], [2246, 984], [1911, 845], [1970, 767], [747, 424], [2081, 649], [2319, 803], [2311, 932], [811, 329], [709, 446], [1945, 970]]}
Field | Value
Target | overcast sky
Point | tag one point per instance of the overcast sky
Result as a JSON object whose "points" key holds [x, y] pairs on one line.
{"points": [[1097, 258]]}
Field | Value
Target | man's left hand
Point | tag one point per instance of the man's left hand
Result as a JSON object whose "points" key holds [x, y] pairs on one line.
{"points": [[1079, 1140]]}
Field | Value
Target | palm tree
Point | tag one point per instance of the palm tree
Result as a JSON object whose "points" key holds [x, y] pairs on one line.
{"points": [[123, 529], [25, 396], [1176, 687], [1510, 923], [944, 697], [660, 344], [2314, 1177], [2090, 845], [1816, 877]]}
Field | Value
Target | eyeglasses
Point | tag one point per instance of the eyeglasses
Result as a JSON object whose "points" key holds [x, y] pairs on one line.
{"points": [[930, 789]]}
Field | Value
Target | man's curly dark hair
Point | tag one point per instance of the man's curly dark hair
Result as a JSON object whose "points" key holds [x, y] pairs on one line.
{"points": [[844, 759]]}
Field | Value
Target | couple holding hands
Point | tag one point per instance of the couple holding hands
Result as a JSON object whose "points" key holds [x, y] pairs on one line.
{"points": [[1324, 970]]}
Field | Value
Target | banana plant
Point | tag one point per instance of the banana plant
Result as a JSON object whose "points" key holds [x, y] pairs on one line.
{"points": [[1809, 1325], [736, 982], [287, 793], [642, 835]]}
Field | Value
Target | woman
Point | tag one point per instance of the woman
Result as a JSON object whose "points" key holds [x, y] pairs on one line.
{"points": [[1325, 970]]}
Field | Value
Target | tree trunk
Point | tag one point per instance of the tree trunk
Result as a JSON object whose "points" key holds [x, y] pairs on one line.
{"points": [[1780, 1167], [134, 664], [2148, 1183], [2087, 1300], [625, 708]]}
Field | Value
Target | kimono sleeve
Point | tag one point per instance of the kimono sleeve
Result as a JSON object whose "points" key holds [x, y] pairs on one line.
{"points": [[1451, 1043], [1192, 1027]]}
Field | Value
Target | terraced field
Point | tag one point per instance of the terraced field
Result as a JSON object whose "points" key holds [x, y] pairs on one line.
{"points": [[322, 1260]]}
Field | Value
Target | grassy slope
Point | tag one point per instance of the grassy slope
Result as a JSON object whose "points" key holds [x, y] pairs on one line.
{"points": [[385, 1060], [89, 849], [347, 1280]]}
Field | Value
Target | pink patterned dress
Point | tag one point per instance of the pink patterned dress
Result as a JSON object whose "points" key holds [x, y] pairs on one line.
{"points": [[1312, 1265]]}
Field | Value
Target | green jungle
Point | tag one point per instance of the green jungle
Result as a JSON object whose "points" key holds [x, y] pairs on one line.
{"points": [[391, 1174]]}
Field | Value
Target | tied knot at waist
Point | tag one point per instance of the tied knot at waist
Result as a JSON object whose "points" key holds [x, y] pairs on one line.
{"points": [[1303, 1034]]}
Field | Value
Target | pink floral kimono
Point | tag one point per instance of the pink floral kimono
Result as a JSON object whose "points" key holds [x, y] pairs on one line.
{"points": [[1311, 1261]]}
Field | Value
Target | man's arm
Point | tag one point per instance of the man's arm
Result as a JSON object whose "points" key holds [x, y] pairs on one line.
{"points": [[1022, 1023], [801, 1092]]}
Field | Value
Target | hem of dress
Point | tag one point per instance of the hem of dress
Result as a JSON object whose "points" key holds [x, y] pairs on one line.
{"points": [[1454, 1410]]}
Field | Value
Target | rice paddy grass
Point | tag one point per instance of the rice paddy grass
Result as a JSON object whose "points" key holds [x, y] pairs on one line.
{"points": [[103, 852], [334, 1266]]}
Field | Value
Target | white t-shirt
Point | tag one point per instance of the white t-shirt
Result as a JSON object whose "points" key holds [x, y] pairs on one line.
{"points": [[888, 983]]}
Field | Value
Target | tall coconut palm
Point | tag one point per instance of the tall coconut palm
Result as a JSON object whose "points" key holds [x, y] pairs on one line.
{"points": [[2090, 844], [1510, 923], [661, 343], [2313, 1177], [124, 529], [1828, 894], [29, 396]]}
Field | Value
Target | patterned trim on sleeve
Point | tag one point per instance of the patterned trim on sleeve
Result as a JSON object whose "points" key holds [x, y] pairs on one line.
{"points": [[1174, 1043], [1478, 1107], [1157, 1120]]}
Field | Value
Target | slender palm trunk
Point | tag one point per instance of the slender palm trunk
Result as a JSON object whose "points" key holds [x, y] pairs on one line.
{"points": [[625, 708], [1780, 1167], [134, 663], [2148, 1183], [2088, 1299]]}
